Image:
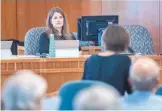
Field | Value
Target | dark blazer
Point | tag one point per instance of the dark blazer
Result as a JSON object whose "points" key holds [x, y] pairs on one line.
{"points": [[113, 70], [44, 42]]}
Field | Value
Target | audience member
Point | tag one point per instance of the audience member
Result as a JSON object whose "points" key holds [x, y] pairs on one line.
{"points": [[97, 98], [69, 90], [111, 66], [24, 91], [144, 75]]}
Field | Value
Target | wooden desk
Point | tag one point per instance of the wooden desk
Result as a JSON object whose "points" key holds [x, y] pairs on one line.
{"points": [[57, 71], [87, 50]]}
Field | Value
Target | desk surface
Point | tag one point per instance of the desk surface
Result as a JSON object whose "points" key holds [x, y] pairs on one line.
{"points": [[57, 71]]}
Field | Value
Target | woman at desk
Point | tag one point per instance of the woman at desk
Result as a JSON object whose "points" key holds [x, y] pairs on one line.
{"points": [[56, 24], [110, 66]]}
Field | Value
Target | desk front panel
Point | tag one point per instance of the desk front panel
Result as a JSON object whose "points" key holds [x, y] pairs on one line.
{"points": [[57, 71]]}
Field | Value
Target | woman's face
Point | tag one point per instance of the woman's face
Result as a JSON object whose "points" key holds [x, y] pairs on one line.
{"points": [[57, 20]]}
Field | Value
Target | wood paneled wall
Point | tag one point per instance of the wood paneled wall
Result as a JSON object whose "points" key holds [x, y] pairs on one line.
{"points": [[29, 14], [160, 26], [34, 13], [145, 13], [18, 16], [8, 23]]}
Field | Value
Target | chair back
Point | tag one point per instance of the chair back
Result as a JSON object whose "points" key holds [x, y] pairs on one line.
{"points": [[68, 91], [140, 39], [31, 42]]}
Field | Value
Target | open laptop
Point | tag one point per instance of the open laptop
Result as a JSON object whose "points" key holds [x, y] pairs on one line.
{"points": [[66, 44], [67, 48], [6, 48]]}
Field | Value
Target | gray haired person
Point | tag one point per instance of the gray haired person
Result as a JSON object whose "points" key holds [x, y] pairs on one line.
{"points": [[144, 74], [97, 98], [24, 90]]}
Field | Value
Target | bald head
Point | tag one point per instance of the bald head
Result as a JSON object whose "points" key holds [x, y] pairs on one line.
{"points": [[144, 73]]}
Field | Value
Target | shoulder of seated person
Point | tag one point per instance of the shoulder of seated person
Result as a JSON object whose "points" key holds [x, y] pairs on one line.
{"points": [[44, 34], [104, 54], [72, 35]]}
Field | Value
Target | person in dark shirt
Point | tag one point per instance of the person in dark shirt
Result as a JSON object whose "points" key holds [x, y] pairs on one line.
{"points": [[110, 66], [56, 24]]}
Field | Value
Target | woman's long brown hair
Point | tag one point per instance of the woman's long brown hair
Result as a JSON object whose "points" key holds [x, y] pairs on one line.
{"points": [[65, 29]]}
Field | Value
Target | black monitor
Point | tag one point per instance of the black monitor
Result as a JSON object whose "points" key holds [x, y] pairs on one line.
{"points": [[88, 26]]}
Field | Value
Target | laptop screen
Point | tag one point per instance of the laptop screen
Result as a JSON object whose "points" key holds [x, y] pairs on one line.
{"points": [[6, 44], [67, 44]]}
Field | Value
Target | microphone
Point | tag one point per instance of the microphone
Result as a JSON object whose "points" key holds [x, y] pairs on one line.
{"points": [[42, 55]]}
